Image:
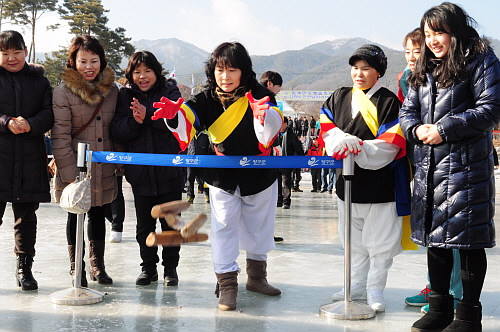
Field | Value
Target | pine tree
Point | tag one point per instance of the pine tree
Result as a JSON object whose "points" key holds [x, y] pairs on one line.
{"points": [[54, 65], [28, 12], [88, 17]]}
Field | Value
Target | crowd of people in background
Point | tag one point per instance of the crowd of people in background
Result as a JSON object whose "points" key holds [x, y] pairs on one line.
{"points": [[438, 125]]}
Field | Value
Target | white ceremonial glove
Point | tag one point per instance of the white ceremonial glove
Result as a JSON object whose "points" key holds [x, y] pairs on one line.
{"points": [[348, 144]]}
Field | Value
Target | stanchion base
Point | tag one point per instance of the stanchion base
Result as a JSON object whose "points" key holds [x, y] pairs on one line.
{"points": [[346, 310], [76, 296]]}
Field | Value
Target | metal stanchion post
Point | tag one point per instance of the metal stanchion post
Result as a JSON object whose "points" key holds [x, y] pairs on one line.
{"points": [[347, 309], [78, 295]]}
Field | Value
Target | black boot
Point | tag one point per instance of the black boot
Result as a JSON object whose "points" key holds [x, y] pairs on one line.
{"points": [[170, 277], [146, 277], [24, 275], [97, 269], [439, 316], [71, 251], [468, 318]]}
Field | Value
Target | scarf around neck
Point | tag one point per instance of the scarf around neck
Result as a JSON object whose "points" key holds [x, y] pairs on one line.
{"points": [[227, 98]]}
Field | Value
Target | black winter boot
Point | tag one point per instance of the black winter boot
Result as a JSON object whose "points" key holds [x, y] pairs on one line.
{"points": [[24, 276], [468, 318], [439, 316], [97, 269], [170, 277], [71, 251]]}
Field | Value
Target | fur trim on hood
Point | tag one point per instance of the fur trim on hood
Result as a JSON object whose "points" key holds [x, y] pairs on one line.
{"points": [[90, 92]]}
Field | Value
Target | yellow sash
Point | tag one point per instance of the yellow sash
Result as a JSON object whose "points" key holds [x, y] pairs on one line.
{"points": [[367, 109], [227, 122], [406, 242]]}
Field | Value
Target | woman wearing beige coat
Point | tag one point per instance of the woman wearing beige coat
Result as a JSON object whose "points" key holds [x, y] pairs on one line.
{"points": [[87, 83]]}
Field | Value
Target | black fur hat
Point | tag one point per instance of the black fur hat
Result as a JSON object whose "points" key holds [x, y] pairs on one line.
{"points": [[373, 55]]}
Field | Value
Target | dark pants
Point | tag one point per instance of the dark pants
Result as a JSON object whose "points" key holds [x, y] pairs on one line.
{"points": [[146, 224], [115, 211], [473, 271], [96, 225], [316, 178], [296, 177], [192, 175], [2, 211], [24, 226], [286, 179], [280, 189]]}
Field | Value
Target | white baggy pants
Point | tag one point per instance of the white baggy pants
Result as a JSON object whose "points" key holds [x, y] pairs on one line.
{"points": [[375, 241], [241, 222]]}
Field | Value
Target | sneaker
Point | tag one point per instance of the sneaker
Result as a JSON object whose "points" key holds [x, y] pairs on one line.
{"points": [[297, 189], [278, 239], [323, 191], [115, 237], [314, 190], [358, 292], [286, 206], [375, 299], [425, 308], [190, 199], [419, 299]]}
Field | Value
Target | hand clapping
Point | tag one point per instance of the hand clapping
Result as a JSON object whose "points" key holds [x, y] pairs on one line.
{"points": [[138, 110]]}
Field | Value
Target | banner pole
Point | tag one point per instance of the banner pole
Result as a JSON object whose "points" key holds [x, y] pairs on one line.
{"points": [[347, 309], [78, 295]]}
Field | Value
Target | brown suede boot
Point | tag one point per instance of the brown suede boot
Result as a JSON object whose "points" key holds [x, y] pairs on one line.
{"points": [[257, 282], [97, 269], [227, 287], [71, 251]]}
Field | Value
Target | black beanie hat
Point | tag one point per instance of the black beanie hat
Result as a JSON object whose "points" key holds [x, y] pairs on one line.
{"points": [[373, 55]]}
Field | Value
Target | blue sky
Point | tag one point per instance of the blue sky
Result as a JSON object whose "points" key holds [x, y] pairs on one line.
{"points": [[269, 26]]}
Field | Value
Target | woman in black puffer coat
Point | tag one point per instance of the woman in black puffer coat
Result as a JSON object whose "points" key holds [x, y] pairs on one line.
{"points": [[25, 115], [151, 185], [450, 110]]}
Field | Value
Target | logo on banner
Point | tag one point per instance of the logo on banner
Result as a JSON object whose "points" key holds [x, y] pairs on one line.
{"points": [[313, 162], [244, 161], [110, 157], [177, 160]]}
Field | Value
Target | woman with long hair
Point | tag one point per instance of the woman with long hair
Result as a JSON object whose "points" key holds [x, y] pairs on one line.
{"points": [[452, 105]]}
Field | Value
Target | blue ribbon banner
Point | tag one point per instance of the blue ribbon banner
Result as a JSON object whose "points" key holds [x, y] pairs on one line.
{"points": [[211, 161]]}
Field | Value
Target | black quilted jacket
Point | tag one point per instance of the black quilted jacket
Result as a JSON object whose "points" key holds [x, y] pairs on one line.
{"points": [[454, 187], [149, 137]]}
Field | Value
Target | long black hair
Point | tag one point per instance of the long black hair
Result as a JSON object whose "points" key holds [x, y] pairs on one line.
{"points": [[230, 54], [465, 43]]}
